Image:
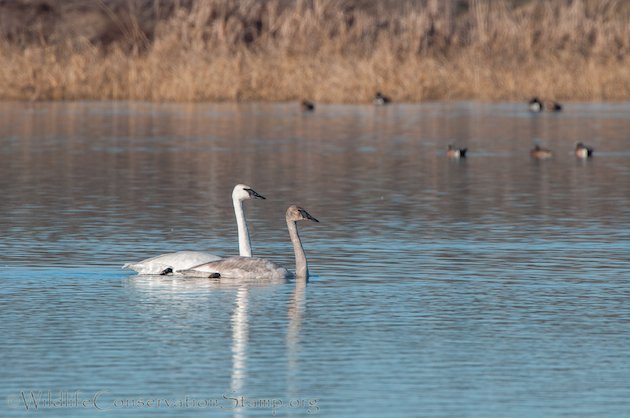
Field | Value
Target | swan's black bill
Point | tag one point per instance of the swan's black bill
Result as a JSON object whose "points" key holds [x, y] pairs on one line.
{"points": [[307, 215], [254, 195]]}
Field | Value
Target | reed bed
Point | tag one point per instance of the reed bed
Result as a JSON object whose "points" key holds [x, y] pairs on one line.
{"points": [[327, 51]]}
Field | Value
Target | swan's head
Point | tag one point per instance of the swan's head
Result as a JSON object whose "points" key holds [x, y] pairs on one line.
{"points": [[296, 213], [243, 192]]}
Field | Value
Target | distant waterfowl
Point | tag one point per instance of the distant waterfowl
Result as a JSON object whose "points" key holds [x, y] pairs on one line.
{"points": [[552, 106], [582, 151], [535, 105], [540, 153], [453, 152], [259, 268], [307, 106], [380, 99], [168, 263]]}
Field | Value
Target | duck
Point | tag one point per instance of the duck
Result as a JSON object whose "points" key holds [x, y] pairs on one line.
{"points": [[540, 153], [380, 99], [453, 152], [583, 151], [307, 105], [553, 106], [535, 105]]}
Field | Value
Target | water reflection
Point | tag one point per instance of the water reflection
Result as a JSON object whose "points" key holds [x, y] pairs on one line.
{"points": [[187, 295], [295, 312], [169, 170], [239, 346], [449, 287]]}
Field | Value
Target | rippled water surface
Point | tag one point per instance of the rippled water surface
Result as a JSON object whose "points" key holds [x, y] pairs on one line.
{"points": [[491, 286]]}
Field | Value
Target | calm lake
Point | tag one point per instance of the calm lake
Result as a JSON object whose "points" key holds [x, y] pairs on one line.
{"points": [[491, 286]]}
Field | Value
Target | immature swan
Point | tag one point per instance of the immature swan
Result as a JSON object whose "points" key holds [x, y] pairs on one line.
{"points": [[258, 268], [171, 262]]}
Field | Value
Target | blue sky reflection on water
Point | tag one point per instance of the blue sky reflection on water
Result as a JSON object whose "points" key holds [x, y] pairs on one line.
{"points": [[493, 286]]}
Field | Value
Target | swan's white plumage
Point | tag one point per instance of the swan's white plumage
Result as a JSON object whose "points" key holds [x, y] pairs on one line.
{"points": [[176, 261], [182, 260]]}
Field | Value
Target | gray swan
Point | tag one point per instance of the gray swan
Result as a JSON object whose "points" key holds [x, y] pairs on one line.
{"points": [[259, 268]]}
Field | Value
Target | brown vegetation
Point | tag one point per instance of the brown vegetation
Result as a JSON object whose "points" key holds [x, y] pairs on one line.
{"points": [[325, 50]]}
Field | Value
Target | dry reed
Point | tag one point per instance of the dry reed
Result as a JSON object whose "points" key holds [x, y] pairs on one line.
{"points": [[336, 51]]}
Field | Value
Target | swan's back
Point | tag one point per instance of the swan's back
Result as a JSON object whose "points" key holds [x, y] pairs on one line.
{"points": [[239, 268], [175, 261]]}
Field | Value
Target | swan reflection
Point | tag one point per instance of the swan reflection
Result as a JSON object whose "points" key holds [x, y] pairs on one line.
{"points": [[191, 296], [295, 313], [240, 328]]}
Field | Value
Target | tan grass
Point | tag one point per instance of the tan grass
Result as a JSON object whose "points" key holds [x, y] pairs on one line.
{"points": [[330, 51]]}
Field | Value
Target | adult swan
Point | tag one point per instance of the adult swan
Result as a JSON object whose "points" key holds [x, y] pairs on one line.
{"points": [[259, 268], [171, 262]]}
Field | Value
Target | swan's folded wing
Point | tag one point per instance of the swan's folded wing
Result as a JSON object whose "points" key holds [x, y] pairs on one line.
{"points": [[195, 273], [204, 269], [238, 268], [176, 261]]}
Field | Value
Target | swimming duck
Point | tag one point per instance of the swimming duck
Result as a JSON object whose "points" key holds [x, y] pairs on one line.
{"points": [[307, 105], [583, 151], [552, 106], [380, 99], [453, 152], [535, 105], [540, 153]]}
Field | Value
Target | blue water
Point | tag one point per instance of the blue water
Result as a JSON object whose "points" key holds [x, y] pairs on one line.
{"points": [[491, 286]]}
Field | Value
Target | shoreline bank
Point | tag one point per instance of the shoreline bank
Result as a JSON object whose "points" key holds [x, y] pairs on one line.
{"points": [[323, 50]]}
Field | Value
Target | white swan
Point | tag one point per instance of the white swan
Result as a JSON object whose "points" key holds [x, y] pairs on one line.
{"points": [[171, 262], [259, 268]]}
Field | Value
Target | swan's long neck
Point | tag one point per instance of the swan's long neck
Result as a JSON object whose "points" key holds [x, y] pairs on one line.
{"points": [[244, 246], [301, 266]]}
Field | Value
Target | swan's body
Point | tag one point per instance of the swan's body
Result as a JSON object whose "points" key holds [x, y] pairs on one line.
{"points": [[165, 262], [247, 268], [259, 268], [171, 262]]}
